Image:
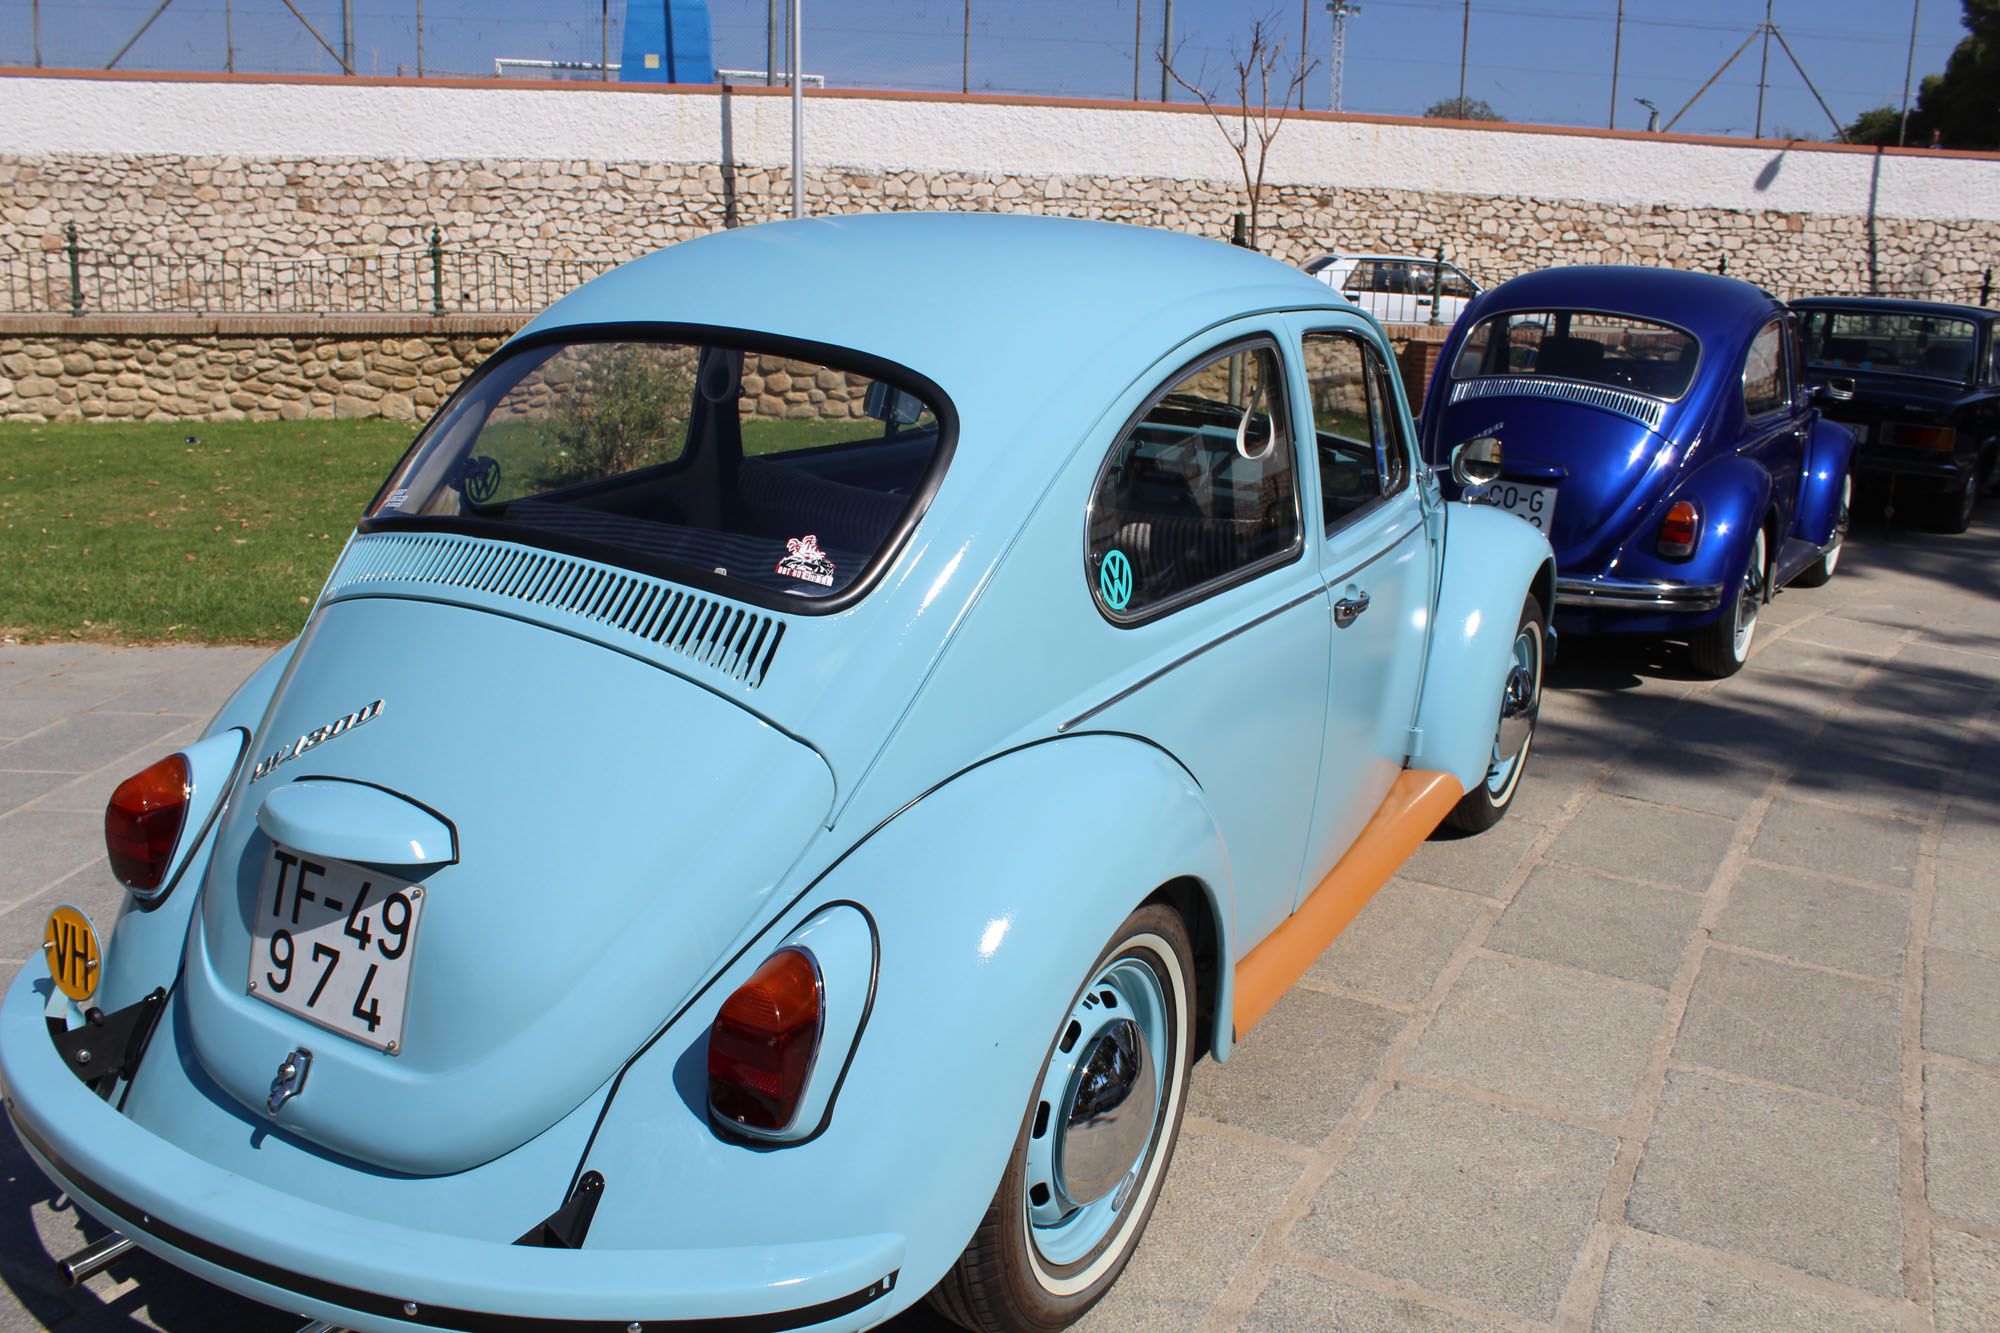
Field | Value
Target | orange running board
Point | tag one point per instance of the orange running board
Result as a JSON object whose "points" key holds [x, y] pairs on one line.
{"points": [[1415, 805]]}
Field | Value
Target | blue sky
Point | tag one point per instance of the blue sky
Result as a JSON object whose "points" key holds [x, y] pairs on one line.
{"points": [[1547, 61]]}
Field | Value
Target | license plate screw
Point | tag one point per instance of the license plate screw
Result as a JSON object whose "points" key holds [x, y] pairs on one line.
{"points": [[417, 892], [392, 1048], [253, 985]]}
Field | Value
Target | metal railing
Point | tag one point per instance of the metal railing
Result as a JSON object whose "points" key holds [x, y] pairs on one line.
{"points": [[77, 278]]}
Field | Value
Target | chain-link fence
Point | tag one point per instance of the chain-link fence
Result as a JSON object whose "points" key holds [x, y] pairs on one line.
{"points": [[436, 279]]}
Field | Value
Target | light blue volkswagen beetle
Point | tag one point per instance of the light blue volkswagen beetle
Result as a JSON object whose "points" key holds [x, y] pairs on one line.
{"points": [[796, 763]]}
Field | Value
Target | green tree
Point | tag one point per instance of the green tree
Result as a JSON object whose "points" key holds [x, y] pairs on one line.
{"points": [[1964, 101], [1461, 108], [1879, 126]]}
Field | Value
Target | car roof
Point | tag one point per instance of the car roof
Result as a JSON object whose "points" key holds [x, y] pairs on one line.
{"points": [[994, 306], [1720, 311], [1896, 305]]}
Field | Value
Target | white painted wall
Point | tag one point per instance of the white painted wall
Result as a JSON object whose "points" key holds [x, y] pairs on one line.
{"points": [[43, 116]]}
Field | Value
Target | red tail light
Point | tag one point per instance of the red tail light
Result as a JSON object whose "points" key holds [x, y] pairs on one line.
{"points": [[761, 1048], [1942, 438], [144, 820], [1680, 529]]}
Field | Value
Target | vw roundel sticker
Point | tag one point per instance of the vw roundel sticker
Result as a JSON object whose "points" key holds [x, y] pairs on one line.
{"points": [[1114, 580]]}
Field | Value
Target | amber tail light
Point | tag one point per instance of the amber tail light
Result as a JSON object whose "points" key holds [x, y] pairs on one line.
{"points": [[1680, 530], [144, 821], [761, 1047], [1942, 438]]}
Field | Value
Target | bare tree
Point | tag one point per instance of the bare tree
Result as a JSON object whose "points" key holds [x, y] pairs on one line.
{"points": [[1249, 129]]}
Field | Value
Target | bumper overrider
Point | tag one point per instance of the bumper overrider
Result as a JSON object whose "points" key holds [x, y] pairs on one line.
{"points": [[363, 1273], [1601, 593]]}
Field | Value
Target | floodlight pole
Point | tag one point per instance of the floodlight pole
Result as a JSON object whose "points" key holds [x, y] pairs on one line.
{"points": [[772, 18], [1341, 11], [965, 55], [420, 38], [1138, 46], [1167, 53], [38, 34], [347, 34], [798, 110], [1909, 66]]}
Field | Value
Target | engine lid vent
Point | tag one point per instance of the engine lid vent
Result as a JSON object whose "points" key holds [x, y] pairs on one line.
{"points": [[725, 636]]}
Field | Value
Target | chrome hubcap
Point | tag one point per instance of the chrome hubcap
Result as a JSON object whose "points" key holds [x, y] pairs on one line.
{"points": [[1097, 1112], [1520, 702], [1750, 598]]}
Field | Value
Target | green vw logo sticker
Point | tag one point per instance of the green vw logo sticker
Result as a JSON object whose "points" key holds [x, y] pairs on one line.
{"points": [[1114, 580]]}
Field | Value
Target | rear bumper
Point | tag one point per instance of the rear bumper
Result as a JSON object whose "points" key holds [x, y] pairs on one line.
{"points": [[1609, 594], [365, 1274]]}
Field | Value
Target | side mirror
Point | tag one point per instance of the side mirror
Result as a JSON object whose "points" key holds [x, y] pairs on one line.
{"points": [[1476, 462]]}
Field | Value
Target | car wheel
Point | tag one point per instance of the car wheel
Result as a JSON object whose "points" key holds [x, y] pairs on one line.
{"points": [[1520, 705], [1954, 509], [1821, 570], [1099, 1131], [1721, 648]]}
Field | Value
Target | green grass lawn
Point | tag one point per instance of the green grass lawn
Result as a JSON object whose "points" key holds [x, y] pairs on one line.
{"points": [[139, 533]]}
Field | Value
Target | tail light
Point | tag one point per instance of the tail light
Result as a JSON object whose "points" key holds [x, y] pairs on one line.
{"points": [[144, 821], [761, 1047], [1942, 438], [1680, 529]]}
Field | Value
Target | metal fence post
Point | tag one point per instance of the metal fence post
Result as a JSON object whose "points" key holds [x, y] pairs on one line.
{"points": [[75, 270], [437, 271], [1986, 288], [1240, 234], [1437, 283]]}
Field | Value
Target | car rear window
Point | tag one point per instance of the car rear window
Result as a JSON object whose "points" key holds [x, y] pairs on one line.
{"points": [[1891, 341], [1582, 346], [783, 477]]}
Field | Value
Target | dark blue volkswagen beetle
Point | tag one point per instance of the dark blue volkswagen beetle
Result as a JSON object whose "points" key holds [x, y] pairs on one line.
{"points": [[1657, 427]]}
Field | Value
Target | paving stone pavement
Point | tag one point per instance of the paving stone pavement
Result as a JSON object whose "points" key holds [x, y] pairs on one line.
{"points": [[1706, 1034]]}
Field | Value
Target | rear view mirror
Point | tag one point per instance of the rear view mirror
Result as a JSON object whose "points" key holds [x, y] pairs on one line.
{"points": [[887, 403], [1476, 462]]}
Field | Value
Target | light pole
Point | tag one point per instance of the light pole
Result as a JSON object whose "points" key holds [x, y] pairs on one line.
{"points": [[1902, 130], [1652, 114], [798, 110], [1341, 10]]}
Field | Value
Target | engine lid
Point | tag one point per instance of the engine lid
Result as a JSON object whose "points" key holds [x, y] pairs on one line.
{"points": [[615, 829]]}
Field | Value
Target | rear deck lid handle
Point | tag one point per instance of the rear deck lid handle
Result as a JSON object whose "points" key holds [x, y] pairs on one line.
{"points": [[356, 821]]}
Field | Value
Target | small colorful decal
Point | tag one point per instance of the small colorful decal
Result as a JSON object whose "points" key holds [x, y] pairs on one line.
{"points": [[70, 942], [804, 560], [396, 498], [1114, 580]]}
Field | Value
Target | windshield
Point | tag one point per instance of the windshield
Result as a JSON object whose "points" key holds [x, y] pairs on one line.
{"points": [[782, 477], [1584, 346], [1895, 342]]}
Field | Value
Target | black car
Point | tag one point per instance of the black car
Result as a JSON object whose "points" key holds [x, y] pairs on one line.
{"points": [[1919, 382]]}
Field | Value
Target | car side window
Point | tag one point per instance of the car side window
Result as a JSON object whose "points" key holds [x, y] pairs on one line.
{"points": [[1360, 278], [1356, 431], [1201, 489], [1764, 387]]}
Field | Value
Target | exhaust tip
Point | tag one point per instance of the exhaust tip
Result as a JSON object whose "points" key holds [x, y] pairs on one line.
{"points": [[91, 1260]]}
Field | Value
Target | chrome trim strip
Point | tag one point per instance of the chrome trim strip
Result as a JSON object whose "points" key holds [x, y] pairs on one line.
{"points": [[1641, 407], [1633, 595]]}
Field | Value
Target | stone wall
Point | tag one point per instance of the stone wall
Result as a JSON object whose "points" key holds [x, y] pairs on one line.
{"points": [[153, 171], [215, 374]]}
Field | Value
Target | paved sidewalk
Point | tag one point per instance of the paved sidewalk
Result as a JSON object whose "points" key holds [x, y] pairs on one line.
{"points": [[1706, 1034]]}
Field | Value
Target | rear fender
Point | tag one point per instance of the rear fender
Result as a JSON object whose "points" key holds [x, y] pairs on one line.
{"points": [[1492, 561], [144, 949], [991, 897], [1828, 457], [1733, 494]]}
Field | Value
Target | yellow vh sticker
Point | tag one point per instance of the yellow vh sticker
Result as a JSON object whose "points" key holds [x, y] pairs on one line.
{"points": [[70, 942]]}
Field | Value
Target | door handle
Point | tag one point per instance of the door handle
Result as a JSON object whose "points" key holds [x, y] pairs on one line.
{"points": [[1347, 608]]}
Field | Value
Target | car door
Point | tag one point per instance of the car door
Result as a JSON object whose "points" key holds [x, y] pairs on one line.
{"points": [[1775, 430], [1376, 561], [1196, 551]]}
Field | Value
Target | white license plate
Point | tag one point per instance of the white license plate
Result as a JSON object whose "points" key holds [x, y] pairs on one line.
{"points": [[332, 943], [1537, 504]]}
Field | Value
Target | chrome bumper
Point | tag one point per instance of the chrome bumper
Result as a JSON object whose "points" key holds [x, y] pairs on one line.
{"points": [[1602, 594]]}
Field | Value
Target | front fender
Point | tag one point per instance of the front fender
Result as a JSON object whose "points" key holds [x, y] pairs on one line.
{"points": [[991, 897], [1829, 454], [1492, 561]]}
